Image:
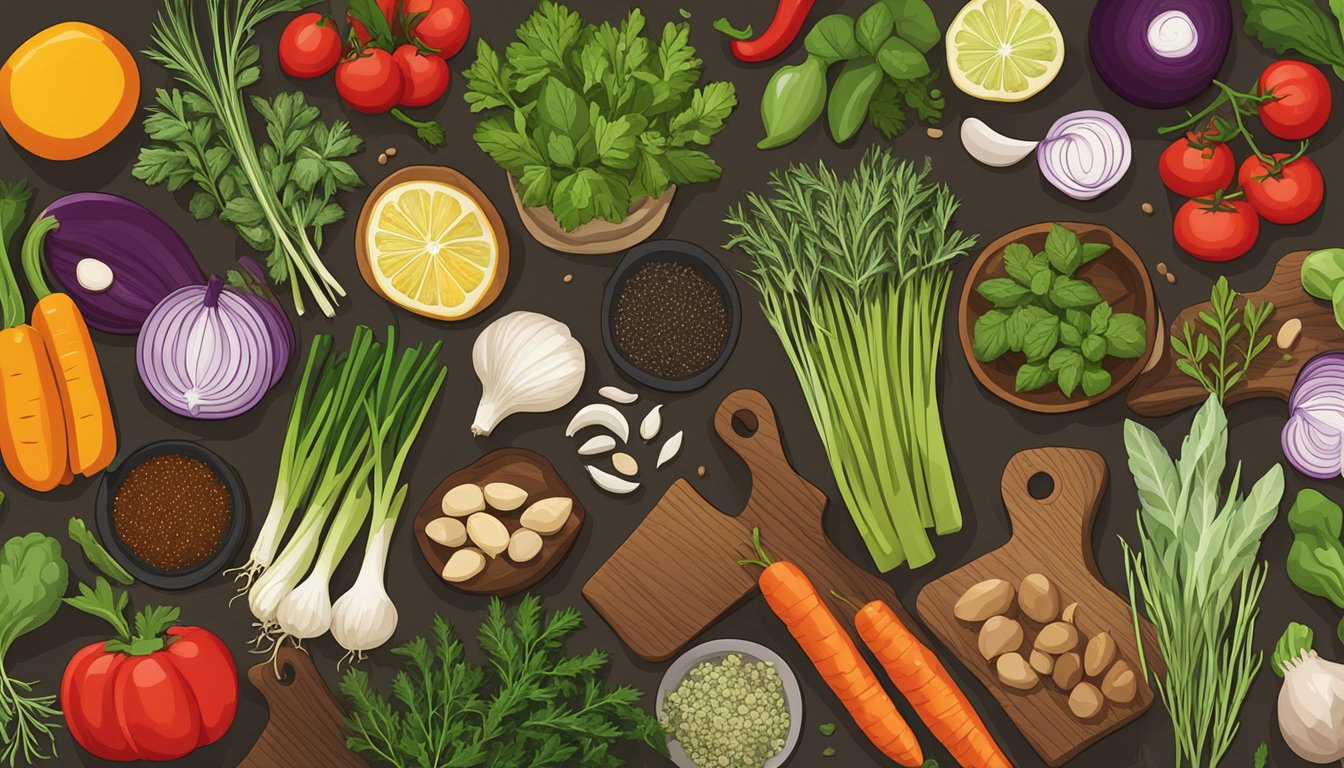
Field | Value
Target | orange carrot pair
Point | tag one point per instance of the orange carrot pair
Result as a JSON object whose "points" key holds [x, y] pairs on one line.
{"points": [[798, 604]]}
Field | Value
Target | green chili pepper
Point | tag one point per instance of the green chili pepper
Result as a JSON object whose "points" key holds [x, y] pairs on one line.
{"points": [[850, 96], [793, 100], [96, 554]]}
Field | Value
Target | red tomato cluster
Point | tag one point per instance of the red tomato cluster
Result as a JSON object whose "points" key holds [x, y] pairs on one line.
{"points": [[402, 64], [1292, 101]]}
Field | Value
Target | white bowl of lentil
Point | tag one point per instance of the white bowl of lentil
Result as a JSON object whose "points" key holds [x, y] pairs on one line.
{"points": [[717, 651]]}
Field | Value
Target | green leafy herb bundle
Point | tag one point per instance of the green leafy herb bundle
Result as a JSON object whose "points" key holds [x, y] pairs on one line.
{"points": [[1316, 559], [590, 119], [1058, 322], [278, 195], [33, 578], [1196, 572], [531, 704], [1299, 25], [1214, 357], [854, 276]]}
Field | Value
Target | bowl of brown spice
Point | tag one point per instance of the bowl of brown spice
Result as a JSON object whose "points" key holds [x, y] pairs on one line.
{"points": [[172, 513], [670, 315]]}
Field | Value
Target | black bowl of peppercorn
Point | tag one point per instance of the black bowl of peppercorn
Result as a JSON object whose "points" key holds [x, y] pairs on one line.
{"points": [[670, 315], [172, 513]]}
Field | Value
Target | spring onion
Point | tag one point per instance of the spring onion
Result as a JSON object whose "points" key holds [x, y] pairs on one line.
{"points": [[853, 276]]}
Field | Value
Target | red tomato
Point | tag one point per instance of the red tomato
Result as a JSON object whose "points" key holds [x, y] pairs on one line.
{"points": [[1302, 103], [424, 78], [389, 9], [1194, 167], [310, 45], [369, 82], [161, 704], [444, 27], [1287, 196], [1216, 232]]}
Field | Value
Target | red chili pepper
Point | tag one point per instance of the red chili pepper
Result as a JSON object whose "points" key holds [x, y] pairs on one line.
{"points": [[781, 33]]}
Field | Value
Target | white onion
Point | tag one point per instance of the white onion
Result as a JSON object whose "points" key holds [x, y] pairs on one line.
{"points": [[1172, 35], [1085, 153], [1313, 438], [527, 363]]}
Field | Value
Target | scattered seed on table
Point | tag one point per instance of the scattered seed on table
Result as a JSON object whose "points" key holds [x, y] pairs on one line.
{"points": [[935, 133], [391, 152], [382, 159], [1171, 277], [569, 278], [1147, 208], [828, 752], [826, 729], [700, 470], [1162, 268]]}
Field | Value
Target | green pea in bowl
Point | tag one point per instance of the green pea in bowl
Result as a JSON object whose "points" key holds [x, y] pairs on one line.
{"points": [[717, 652]]}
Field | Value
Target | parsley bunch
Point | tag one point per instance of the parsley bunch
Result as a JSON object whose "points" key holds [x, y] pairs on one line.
{"points": [[530, 705], [589, 119]]}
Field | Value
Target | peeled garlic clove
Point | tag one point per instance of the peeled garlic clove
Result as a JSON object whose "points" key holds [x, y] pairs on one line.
{"points": [[648, 428], [599, 415], [448, 531], [617, 395], [611, 483], [488, 533], [990, 147], [527, 363], [504, 497], [597, 444], [524, 545], [669, 450], [463, 500], [625, 464], [464, 564], [548, 515]]}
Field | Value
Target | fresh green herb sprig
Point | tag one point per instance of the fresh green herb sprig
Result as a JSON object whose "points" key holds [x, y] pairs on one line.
{"points": [[1059, 323], [1315, 561], [589, 119], [96, 553], [531, 704], [1299, 25], [33, 576], [1214, 357], [1261, 756]]}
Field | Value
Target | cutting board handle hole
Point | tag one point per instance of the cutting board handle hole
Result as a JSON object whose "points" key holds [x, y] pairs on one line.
{"points": [[288, 675], [745, 423], [1041, 486]]}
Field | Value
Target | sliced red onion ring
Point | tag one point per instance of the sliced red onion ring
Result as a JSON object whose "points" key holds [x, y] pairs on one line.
{"points": [[1313, 438], [1084, 153]]}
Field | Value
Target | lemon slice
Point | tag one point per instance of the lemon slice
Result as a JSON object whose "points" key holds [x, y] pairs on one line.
{"points": [[431, 248], [1004, 50]]}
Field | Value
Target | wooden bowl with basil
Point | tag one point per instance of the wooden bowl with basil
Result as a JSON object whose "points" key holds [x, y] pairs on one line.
{"points": [[1056, 317]]}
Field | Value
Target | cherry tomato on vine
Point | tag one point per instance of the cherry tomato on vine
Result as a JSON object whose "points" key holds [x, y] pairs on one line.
{"points": [[1286, 194], [1216, 229], [369, 81], [310, 45], [444, 26], [424, 76], [1194, 166], [389, 10], [1302, 99]]}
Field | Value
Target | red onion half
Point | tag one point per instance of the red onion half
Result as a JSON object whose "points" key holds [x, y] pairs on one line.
{"points": [[1160, 53], [1313, 438], [1084, 153], [207, 352]]}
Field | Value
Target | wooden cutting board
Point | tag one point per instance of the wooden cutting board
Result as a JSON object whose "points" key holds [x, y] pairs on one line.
{"points": [[307, 726], [1163, 390], [678, 572], [1051, 536]]}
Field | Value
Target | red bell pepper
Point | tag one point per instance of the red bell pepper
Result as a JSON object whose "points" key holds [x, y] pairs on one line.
{"points": [[781, 33]]}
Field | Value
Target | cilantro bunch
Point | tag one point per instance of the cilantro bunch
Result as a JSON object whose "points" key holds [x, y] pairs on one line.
{"points": [[531, 704], [589, 119]]}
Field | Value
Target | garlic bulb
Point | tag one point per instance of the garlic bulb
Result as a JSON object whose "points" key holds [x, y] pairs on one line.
{"points": [[527, 363], [1311, 701]]}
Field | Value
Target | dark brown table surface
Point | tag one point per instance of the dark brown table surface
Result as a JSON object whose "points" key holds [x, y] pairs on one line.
{"points": [[982, 431]]}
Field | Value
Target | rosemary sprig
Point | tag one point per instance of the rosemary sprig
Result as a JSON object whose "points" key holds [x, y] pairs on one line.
{"points": [[1214, 357]]}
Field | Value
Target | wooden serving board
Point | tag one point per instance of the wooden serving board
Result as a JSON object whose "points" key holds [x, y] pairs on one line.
{"points": [[527, 470], [678, 572], [1163, 390], [307, 726], [1051, 536]]}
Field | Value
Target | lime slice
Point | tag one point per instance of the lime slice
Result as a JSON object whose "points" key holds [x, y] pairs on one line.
{"points": [[1004, 50]]}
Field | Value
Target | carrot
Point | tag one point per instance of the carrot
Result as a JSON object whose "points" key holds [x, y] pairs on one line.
{"points": [[798, 604], [87, 411], [933, 693], [32, 433]]}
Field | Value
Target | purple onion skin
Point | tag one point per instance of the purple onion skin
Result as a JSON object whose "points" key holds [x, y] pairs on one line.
{"points": [[274, 314], [149, 260], [1118, 42], [1324, 370]]}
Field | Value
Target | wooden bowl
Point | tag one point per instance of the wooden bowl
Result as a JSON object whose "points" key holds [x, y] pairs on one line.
{"points": [[1119, 276], [597, 237], [534, 474]]}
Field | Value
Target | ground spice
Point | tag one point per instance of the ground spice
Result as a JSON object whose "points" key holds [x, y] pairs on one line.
{"points": [[172, 512], [669, 321]]}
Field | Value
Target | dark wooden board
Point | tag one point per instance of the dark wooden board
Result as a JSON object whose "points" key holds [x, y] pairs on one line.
{"points": [[306, 727], [1051, 536], [1163, 390], [678, 572], [527, 470]]}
